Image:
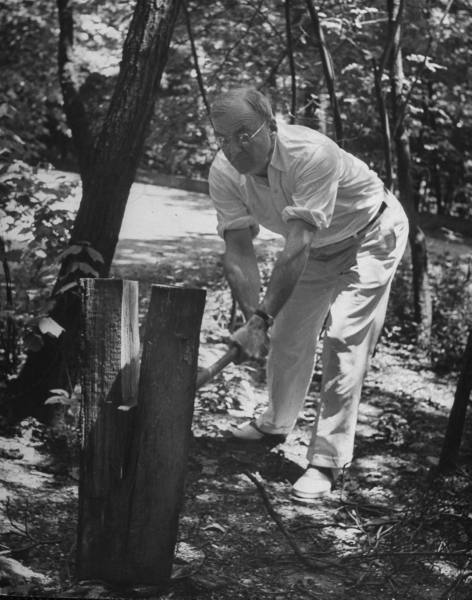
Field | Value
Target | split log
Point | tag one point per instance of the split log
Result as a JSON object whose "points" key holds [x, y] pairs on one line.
{"points": [[135, 455]]}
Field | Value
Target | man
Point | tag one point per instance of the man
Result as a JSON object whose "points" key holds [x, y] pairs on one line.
{"points": [[344, 237]]}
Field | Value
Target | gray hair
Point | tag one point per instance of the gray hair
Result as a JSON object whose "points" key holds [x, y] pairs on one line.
{"points": [[252, 97]]}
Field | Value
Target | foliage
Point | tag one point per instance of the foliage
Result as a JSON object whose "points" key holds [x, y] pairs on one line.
{"points": [[452, 318], [35, 229], [32, 123], [245, 43], [29, 94], [438, 117], [452, 310], [236, 43]]}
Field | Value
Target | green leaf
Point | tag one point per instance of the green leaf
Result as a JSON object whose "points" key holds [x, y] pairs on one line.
{"points": [[84, 268], [95, 255], [71, 250], [33, 342], [59, 392], [64, 400], [66, 287], [48, 326]]}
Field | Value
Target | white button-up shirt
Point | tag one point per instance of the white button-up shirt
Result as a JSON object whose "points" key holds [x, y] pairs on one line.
{"points": [[309, 177]]}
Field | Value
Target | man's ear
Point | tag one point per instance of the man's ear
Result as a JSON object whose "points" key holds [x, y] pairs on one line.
{"points": [[273, 125]]}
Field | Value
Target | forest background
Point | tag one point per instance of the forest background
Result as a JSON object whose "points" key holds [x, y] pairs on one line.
{"points": [[219, 44], [389, 80]]}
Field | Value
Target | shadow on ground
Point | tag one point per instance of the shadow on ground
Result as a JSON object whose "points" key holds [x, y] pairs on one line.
{"points": [[383, 525]]}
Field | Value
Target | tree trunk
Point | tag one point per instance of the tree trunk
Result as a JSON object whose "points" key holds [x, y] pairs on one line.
{"points": [[455, 426], [196, 62], [291, 61], [68, 74], [328, 70], [106, 182], [421, 289], [384, 124]]}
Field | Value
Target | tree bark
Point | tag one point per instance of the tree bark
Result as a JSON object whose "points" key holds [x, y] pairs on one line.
{"points": [[291, 61], [163, 428], [421, 289], [384, 125], [455, 425], [109, 173], [130, 493], [73, 107], [196, 63], [118, 147], [9, 331], [109, 360], [328, 70]]}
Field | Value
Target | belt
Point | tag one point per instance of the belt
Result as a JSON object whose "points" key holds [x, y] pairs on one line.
{"points": [[382, 207]]}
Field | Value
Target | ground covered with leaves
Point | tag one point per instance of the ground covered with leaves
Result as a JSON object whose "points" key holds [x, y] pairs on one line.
{"points": [[390, 530]]}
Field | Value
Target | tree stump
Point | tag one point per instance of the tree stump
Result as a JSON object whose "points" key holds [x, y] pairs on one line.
{"points": [[134, 455]]}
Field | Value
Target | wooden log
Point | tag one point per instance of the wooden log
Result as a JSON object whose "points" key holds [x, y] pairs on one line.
{"points": [[110, 371], [134, 460], [163, 431]]}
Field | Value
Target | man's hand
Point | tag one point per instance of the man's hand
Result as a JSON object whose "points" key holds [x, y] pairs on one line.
{"points": [[252, 339]]}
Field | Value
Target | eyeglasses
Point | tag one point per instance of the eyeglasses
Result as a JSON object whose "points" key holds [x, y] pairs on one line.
{"points": [[242, 139]]}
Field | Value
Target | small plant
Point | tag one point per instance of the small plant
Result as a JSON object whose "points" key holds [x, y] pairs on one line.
{"points": [[70, 400], [451, 284], [36, 225], [452, 312]]}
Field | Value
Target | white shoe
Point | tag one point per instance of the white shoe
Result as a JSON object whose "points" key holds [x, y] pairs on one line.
{"points": [[315, 483], [250, 432]]}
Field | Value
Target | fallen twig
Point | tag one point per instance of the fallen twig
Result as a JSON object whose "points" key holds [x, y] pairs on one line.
{"points": [[18, 552], [322, 563], [375, 555]]}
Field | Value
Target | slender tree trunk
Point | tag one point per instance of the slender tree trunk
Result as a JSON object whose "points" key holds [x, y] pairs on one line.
{"points": [[385, 126], [270, 80], [455, 426], [9, 333], [328, 70], [109, 171], [68, 76], [201, 85], [421, 288], [293, 78]]}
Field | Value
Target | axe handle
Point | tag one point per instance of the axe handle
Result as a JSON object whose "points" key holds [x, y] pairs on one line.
{"points": [[206, 374]]}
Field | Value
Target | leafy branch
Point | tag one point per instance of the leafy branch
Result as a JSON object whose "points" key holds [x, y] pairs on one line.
{"points": [[419, 72]]}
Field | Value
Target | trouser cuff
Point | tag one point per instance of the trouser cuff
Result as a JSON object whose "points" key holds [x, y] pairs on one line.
{"points": [[330, 462]]}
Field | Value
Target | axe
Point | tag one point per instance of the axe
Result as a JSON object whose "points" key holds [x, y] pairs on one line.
{"points": [[228, 357]]}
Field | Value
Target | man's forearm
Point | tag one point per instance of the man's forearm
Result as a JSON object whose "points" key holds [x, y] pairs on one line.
{"points": [[243, 277], [288, 267], [284, 278]]}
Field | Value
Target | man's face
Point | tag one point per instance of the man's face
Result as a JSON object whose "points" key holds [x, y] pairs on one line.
{"points": [[248, 153]]}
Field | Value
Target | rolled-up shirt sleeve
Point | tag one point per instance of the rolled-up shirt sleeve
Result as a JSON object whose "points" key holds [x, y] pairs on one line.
{"points": [[225, 192], [316, 177]]}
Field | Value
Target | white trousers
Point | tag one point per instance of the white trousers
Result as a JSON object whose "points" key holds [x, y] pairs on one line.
{"points": [[345, 287]]}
